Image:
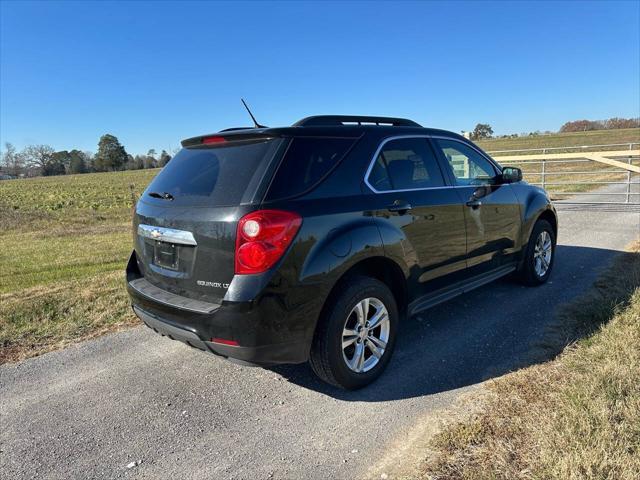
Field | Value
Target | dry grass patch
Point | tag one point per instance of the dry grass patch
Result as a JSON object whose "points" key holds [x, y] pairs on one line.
{"points": [[44, 318], [576, 417]]}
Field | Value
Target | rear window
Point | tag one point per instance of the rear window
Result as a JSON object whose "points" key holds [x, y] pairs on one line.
{"points": [[305, 163], [221, 176]]}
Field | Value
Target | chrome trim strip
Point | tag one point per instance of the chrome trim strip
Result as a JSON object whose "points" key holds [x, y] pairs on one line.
{"points": [[399, 137], [169, 235]]}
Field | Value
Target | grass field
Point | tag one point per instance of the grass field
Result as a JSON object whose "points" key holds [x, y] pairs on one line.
{"points": [[64, 242], [577, 139], [576, 417]]}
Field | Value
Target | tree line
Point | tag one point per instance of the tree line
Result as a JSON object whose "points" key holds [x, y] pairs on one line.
{"points": [[609, 124], [35, 160]]}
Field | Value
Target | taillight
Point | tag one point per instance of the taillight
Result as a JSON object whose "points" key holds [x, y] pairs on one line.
{"points": [[262, 238]]}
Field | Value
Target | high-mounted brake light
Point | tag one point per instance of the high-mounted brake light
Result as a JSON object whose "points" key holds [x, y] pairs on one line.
{"points": [[210, 140], [262, 238]]}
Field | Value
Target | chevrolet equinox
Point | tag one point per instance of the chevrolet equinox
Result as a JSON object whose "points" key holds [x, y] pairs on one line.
{"points": [[311, 242]]}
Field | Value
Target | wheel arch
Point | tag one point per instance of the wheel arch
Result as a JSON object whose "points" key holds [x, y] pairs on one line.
{"points": [[550, 216], [381, 268], [536, 206]]}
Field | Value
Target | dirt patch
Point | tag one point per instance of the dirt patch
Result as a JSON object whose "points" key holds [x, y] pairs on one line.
{"points": [[408, 453]]}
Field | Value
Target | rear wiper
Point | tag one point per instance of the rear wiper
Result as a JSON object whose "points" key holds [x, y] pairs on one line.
{"points": [[163, 195]]}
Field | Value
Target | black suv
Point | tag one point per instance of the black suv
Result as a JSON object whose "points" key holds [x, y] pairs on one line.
{"points": [[312, 242]]}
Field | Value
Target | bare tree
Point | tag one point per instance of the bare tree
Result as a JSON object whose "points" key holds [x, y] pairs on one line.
{"points": [[12, 160], [38, 156]]}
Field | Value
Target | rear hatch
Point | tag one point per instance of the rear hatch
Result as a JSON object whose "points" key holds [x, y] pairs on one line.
{"points": [[185, 222]]}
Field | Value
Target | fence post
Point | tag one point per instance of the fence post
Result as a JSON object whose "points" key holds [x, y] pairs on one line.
{"points": [[544, 170], [628, 199]]}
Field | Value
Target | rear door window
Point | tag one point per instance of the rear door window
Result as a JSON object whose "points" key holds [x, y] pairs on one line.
{"points": [[307, 161], [405, 164], [224, 175]]}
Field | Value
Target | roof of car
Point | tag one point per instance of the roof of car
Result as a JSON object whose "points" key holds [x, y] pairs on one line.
{"points": [[327, 125]]}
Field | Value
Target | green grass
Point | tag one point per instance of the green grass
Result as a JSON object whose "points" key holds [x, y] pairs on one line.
{"points": [[55, 203], [64, 244], [30, 258]]}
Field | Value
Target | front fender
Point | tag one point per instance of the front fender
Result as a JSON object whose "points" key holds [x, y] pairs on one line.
{"points": [[535, 202]]}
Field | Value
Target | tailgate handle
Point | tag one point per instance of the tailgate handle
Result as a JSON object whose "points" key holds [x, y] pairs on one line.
{"points": [[168, 235]]}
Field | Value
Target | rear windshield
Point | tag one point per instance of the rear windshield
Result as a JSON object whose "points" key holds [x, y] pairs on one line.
{"points": [[220, 176], [305, 163]]}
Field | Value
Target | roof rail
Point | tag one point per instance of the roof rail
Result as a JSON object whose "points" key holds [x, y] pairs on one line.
{"points": [[333, 120]]}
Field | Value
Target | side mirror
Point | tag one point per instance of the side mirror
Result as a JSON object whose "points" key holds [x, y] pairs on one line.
{"points": [[511, 175]]}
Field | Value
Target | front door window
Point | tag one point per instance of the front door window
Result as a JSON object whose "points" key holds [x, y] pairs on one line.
{"points": [[469, 167]]}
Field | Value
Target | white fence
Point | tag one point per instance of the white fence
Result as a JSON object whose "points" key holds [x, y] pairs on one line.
{"points": [[588, 175]]}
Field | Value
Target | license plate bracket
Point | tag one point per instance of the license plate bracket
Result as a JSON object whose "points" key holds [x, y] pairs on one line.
{"points": [[165, 255]]}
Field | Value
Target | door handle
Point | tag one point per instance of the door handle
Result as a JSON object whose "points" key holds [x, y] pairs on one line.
{"points": [[475, 203], [399, 206]]}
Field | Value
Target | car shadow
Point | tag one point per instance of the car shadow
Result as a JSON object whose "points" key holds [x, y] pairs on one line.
{"points": [[475, 337]]}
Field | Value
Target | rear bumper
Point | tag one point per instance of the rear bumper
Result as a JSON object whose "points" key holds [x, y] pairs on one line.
{"points": [[263, 355], [265, 332]]}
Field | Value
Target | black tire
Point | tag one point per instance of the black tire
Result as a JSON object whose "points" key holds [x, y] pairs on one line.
{"points": [[527, 273], [327, 359]]}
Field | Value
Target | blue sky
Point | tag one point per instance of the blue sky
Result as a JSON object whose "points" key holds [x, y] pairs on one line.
{"points": [[154, 73]]}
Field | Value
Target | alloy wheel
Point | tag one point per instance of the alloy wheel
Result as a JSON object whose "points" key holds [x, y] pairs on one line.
{"points": [[542, 253], [365, 335]]}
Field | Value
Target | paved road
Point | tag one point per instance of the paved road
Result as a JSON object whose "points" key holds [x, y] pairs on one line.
{"points": [[90, 410]]}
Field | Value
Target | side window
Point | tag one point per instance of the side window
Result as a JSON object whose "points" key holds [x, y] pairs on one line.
{"points": [[379, 177], [305, 163], [404, 164], [469, 167]]}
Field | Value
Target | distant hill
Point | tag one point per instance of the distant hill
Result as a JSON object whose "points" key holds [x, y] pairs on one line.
{"points": [[573, 139]]}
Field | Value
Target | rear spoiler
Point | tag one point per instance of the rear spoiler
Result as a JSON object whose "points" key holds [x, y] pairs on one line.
{"points": [[228, 136], [238, 135]]}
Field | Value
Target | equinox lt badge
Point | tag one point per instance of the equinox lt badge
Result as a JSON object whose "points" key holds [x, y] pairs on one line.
{"points": [[204, 283]]}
